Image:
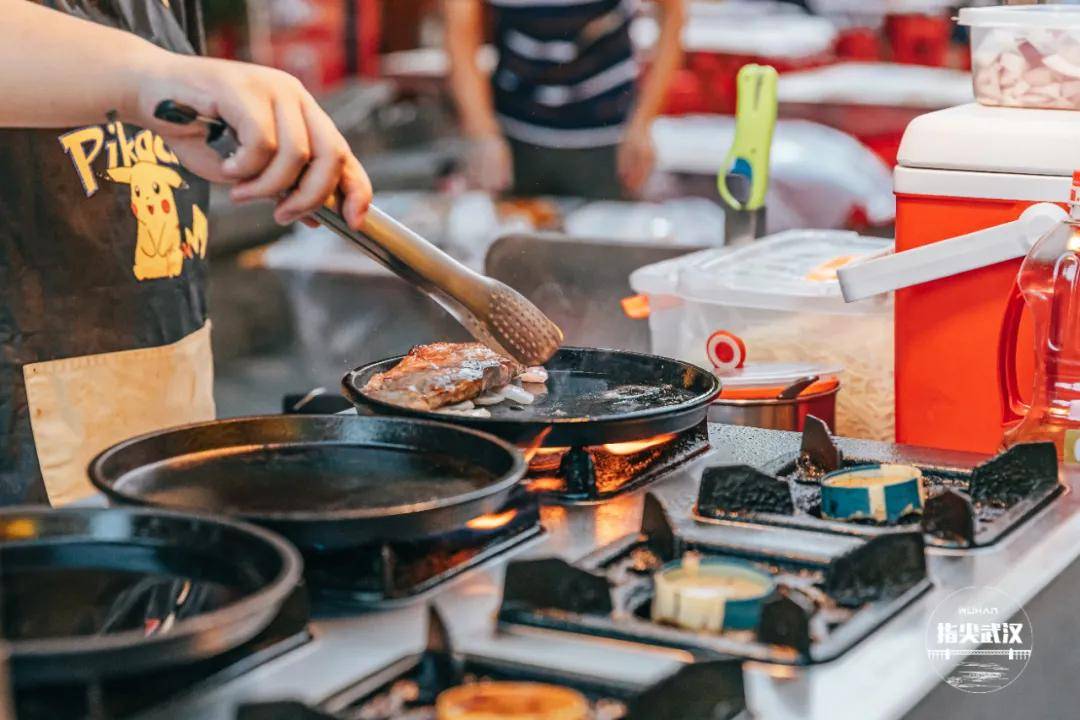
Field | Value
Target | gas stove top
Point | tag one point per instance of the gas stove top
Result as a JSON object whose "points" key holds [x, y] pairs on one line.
{"points": [[882, 672]]}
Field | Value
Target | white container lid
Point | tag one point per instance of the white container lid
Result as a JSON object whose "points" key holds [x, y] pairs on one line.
{"points": [[877, 84], [781, 36], [995, 140], [1057, 16], [777, 375], [791, 271]]}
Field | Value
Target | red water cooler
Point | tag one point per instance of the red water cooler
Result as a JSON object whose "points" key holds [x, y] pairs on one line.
{"points": [[975, 188]]}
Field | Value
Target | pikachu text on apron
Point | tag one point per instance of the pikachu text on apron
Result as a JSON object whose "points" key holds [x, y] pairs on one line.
{"points": [[103, 323]]}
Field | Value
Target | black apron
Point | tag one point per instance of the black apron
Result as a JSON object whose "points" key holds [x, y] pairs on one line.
{"points": [[102, 246]]}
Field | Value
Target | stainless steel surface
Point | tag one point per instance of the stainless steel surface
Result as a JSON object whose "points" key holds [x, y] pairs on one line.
{"points": [[776, 413], [883, 677]]}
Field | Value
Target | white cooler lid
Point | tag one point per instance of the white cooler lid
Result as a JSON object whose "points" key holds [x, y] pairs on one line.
{"points": [[979, 138], [981, 152], [791, 271]]}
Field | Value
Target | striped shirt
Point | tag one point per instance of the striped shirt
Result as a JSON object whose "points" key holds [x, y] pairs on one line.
{"points": [[566, 71]]}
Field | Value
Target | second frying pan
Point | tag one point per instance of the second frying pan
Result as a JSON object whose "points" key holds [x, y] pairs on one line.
{"points": [[593, 397], [322, 481]]}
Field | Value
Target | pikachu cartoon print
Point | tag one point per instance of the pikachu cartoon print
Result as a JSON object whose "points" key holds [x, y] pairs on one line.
{"points": [[153, 203], [147, 166]]}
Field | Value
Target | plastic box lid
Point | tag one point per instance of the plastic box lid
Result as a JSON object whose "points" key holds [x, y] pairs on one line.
{"points": [[1058, 16], [791, 271]]}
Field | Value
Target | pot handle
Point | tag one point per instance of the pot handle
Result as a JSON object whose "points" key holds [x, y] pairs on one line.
{"points": [[1013, 409], [949, 257]]}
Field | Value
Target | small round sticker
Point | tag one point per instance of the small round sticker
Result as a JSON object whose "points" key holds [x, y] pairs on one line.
{"points": [[726, 351]]}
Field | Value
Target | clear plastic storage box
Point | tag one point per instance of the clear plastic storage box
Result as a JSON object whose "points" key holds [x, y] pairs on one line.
{"points": [[1025, 55], [780, 296]]}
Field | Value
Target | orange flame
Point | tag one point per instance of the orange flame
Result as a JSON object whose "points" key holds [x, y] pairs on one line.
{"points": [[534, 447], [545, 484], [636, 446], [492, 521]]}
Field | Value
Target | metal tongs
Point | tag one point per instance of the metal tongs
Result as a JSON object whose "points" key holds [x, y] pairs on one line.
{"points": [[494, 313]]}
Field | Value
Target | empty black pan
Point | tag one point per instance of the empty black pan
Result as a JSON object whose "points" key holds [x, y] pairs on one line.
{"points": [[322, 481], [91, 593], [593, 397]]}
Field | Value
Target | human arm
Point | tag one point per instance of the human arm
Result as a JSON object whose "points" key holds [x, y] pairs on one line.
{"points": [[636, 153], [490, 161], [62, 71]]}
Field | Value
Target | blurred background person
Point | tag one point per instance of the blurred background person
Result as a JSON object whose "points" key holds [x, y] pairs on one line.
{"points": [[564, 112]]}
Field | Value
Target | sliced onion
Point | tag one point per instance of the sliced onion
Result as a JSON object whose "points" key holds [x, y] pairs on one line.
{"points": [[519, 395], [535, 374], [491, 397], [472, 412], [458, 407], [536, 389]]}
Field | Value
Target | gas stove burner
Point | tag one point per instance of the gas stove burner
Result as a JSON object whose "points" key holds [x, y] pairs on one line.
{"points": [[393, 572], [818, 610], [582, 475], [963, 509], [128, 695], [409, 687]]}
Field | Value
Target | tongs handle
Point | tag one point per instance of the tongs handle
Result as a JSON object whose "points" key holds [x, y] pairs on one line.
{"points": [[387, 241]]}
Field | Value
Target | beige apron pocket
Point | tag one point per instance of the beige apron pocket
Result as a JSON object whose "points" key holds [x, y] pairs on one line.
{"points": [[80, 406]]}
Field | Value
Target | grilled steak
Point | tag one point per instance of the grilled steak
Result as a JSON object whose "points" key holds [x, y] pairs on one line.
{"points": [[439, 374]]}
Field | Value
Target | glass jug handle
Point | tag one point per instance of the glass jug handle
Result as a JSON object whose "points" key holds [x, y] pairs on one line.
{"points": [[1013, 409]]}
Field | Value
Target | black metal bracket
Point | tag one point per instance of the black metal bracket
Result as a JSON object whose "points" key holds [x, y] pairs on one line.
{"points": [[579, 471], [950, 515], [728, 489], [818, 448], [1019, 472], [711, 690], [280, 710], [556, 584], [440, 667], [883, 567], [785, 620], [659, 533]]}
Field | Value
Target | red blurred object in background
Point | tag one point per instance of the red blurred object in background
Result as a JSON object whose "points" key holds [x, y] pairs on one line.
{"points": [[322, 42], [339, 39], [919, 39], [706, 84], [859, 43]]}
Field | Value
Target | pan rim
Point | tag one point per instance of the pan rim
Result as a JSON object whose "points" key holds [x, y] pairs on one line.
{"points": [[353, 391], [504, 482], [270, 595]]}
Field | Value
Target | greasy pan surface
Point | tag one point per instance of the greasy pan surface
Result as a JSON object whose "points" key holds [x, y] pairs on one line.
{"points": [[320, 480], [594, 396], [93, 592]]}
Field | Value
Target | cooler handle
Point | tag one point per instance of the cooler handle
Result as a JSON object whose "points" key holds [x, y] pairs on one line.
{"points": [[949, 257], [1013, 409]]}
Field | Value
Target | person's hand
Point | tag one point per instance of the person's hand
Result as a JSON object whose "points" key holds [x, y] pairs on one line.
{"points": [[489, 165], [636, 157], [290, 151]]}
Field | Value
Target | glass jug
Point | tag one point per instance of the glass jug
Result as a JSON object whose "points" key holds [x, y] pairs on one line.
{"points": [[1048, 284]]}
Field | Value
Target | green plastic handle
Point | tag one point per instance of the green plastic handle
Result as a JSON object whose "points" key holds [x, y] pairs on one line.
{"points": [[755, 120]]}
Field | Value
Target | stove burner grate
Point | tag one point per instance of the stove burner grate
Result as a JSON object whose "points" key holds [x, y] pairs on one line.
{"points": [[586, 475], [391, 573], [130, 695], [410, 686], [963, 509], [821, 608]]}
